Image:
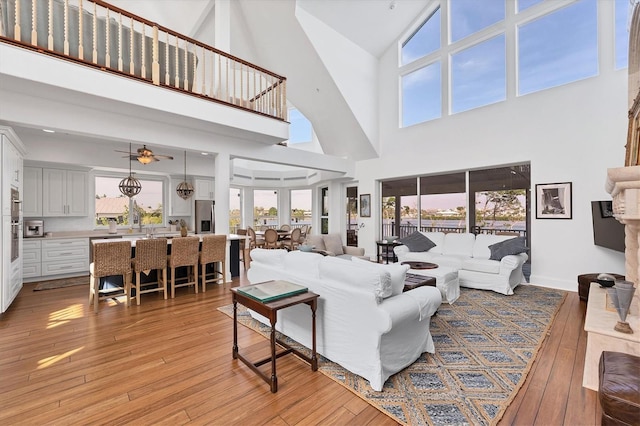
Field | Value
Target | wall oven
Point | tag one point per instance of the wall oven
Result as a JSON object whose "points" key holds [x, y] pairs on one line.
{"points": [[15, 224]]}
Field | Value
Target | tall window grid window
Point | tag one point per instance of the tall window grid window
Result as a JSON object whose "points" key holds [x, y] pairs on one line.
{"points": [[265, 208], [145, 209], [475, 66], [301, 200]]}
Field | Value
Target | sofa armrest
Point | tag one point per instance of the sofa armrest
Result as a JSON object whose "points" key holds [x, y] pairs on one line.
{"points": [[420, 303], [512, 262], [353, 251], [401, 251]]}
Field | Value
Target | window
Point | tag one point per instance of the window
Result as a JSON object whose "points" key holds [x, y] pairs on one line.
{"points": [[479, 75], [421, 95], [265, 208], [424, 41], [622, 34], [235, 209], [324, 209], [468, 17], [525, 4], [443, 202], [301, 207], [300, 129], [146, 208], [549, 55], [399, 207]]}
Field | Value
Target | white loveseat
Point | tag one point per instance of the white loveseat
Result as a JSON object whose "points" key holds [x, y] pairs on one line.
{"points": [[470, 256], [364, 321]]}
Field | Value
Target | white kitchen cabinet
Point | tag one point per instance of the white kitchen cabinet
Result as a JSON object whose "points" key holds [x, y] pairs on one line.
{"points": [[64, 192], [31, 258], [204, 189], [65, 256], [179, 207], [32, 194], [11, 170]]}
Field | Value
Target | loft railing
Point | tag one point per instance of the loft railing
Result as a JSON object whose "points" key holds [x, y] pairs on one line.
{"points": [[97, 34]]}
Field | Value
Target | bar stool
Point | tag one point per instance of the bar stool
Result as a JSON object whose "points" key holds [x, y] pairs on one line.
{"points": [[213, 250], [244, 248], [150, 255], [184, 252], [109, 259]]}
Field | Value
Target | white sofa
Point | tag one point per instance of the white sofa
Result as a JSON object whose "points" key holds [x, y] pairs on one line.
{"points": [[331, 245], [469, 255], [364, 321]]}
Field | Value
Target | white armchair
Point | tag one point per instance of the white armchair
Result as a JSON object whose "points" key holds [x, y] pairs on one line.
{"points": [[331, 245]]}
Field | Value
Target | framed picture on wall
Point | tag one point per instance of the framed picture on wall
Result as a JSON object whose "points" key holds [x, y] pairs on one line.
{"points": [[365, 205], [553, 201]]}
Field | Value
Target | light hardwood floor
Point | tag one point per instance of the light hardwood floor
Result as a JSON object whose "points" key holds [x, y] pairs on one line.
{"points": [[169, 362]]}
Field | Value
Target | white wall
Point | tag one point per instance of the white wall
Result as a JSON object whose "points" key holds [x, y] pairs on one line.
{"points": [[571, 133]]}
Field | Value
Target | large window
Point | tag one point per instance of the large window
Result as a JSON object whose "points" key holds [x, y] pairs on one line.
{"points": [[443, 202], [424, 41], [421, 95], [235, 209], [622, 33], [265, 208], [301, 207], [479, 75], [468, 17], [146, 208], [300, 129], [549, 55]]}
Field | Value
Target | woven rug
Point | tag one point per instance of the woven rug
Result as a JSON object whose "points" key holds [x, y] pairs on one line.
{"points": [[485, 345], [62, 282]]}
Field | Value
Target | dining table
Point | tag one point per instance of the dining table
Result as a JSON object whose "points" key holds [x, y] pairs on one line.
{"points": [[282, 234]]}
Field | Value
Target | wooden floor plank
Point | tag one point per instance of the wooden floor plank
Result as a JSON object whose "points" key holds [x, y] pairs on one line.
{"points": [[169, 362]]}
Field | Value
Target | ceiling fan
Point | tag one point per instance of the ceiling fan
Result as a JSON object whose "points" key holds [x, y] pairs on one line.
{"points": [[145, 156]]}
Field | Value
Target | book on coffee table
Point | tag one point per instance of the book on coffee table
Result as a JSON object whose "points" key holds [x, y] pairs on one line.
{"points": [[271, 290]]}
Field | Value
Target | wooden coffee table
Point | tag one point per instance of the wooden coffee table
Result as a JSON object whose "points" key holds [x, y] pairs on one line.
{"points": [[420, 265], [270, 311], [412, 281]]}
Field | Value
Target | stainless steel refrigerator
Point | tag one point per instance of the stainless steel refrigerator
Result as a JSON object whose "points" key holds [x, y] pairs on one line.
{"points": [[205, 217]]}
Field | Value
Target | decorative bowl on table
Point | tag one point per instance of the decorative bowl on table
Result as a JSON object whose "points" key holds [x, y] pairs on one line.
{"points": [[606, 280], [304, 247], [390, 238]]}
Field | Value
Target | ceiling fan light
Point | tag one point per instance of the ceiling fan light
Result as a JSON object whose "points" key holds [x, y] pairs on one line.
{"points": [[145, 160], [184, 190], [130, 186]]}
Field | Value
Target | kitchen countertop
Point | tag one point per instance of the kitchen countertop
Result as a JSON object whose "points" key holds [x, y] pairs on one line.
{"points": [[158, 233]]}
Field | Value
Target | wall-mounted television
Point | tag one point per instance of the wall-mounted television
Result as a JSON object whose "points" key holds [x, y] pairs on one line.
{"points": [[607, 231]]}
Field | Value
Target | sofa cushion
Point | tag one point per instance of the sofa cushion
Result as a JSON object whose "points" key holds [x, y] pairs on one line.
{"points": [[333, 243], [459, 244], [482, 265], [417, 242], [483, 241], [315, 241], [352, 273], [299, 262], [438, 240], [396, 271], [511, 246], [272, 257]]}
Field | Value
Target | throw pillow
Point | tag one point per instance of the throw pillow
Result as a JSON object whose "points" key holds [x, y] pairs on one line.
{"points": [[417, 242], [397, 273], [507, 247], [333, 243]]}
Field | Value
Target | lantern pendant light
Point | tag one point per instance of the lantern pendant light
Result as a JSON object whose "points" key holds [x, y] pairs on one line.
{"points": [[184, 188], [130, 186]]}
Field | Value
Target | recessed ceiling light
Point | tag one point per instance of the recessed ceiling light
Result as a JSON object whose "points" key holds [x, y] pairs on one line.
{"points": [[204, 153], [48, 130]]}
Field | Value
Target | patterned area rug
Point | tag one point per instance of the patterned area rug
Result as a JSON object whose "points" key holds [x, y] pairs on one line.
{"points": [[63, 282], [485, 345]]}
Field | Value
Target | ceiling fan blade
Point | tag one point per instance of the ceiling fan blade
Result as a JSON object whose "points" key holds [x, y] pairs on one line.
{"points": [[126, 152], [166, 157]]}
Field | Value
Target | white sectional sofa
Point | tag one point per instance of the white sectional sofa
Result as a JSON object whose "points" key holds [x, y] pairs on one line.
{"points": [[470, 256], [364, 321]]}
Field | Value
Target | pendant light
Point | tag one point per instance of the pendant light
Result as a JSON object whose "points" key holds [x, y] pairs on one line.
{"points": [[184, 188], [130, 186]]}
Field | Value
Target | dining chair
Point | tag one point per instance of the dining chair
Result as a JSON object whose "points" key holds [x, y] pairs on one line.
{"points": [[150, 255], [110, 259], [285, 227], [245, 247], [184, 252], [213, 250], [271, 239], [255, 242], [292, 242]]}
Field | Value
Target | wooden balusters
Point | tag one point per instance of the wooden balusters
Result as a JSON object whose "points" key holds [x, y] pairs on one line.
{"points": [[66, 27], [167, 76], [143, 68], [177, 67], [50, 26], [34, 22], [155, 66], [80, 32], [120, 60], [94, 55], [16, 26], [186, 66], [107, 40], [132, 68]]}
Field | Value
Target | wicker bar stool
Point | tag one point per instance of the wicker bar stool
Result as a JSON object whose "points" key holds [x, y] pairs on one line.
{"points": [[213, 250], [184, 252], [109, 259], [150, 255]]}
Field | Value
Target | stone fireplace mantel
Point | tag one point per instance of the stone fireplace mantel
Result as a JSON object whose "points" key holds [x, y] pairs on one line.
{"points": [[623, 183]]}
